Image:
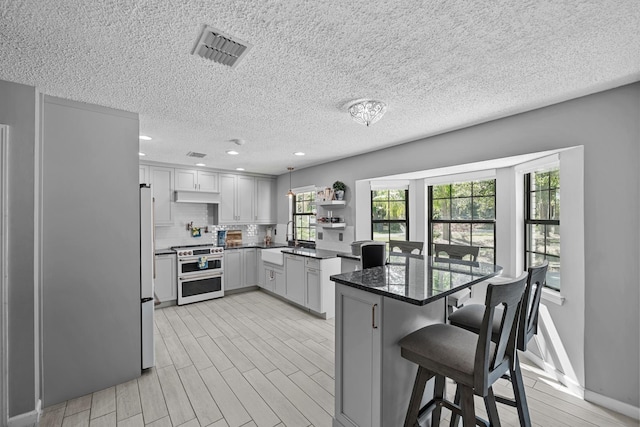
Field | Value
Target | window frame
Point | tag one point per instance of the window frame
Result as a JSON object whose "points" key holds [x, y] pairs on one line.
{"points": [[294, 216], [471, 222], [404, 221], [528, 221]]}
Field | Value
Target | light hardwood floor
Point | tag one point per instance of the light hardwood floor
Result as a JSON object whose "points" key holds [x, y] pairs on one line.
{"points": [[253, 360]]}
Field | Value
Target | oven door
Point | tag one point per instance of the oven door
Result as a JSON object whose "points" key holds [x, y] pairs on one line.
{"points": [[200, 288], [196, 266]]}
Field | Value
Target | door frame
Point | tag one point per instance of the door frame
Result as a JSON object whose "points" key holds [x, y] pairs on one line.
{"points": [[4, 210]]}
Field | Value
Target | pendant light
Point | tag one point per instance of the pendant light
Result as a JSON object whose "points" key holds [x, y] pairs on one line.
{"points": [[290, 193]]}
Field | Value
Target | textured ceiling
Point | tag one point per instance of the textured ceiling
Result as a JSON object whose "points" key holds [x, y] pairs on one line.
{"points": [[439, 65]]}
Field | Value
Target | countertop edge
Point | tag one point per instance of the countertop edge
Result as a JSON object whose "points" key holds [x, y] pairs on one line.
{"points": [[433, 298]]}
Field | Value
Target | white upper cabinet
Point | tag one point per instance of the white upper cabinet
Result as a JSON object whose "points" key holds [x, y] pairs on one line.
{"points": [[265, 206], [246, 199], [162, 189], [195, 180]]}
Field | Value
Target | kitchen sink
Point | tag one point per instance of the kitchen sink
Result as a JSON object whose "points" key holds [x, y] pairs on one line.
{"points": [[274, 256]]}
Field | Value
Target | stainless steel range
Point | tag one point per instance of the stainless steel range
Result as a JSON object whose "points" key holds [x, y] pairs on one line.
{"points": [[200, 273]]}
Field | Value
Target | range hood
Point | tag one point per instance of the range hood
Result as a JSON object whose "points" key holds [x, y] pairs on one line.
{"points": [[197, 197]]}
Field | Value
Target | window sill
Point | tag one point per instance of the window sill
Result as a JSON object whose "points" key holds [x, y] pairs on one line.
{"points": [[555, 297]]}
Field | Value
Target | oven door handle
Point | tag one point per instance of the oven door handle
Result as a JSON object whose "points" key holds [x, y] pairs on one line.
{"points": [[195, 259], [201, 276]]}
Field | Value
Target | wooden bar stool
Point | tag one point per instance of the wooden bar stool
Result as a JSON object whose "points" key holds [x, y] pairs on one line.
{"points": [[472, 360], [461, 252], [470, 318]]}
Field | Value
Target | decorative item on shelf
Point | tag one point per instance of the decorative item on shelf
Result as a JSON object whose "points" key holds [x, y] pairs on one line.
{"points": [[339, 189], [196, 231], [367, 111], [328, 194]]}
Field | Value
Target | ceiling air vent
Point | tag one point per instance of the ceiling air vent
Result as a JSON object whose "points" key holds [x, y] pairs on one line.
{"points": [[220, 47], [194, 154]]}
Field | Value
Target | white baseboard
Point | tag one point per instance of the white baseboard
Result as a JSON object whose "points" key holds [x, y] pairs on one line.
{"points": [[614, 405], [28, 419], [588, 395]]}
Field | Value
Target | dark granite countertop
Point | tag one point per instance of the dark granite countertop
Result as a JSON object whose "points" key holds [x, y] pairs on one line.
{"points": [[312, 253], [165, 251], [253, 245], [349, 256], [418, 280]]}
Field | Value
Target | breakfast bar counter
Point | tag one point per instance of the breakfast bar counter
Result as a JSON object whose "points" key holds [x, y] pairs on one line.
{"points": [[377, 307]]}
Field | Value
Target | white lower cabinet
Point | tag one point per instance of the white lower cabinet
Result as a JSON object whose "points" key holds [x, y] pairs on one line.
{"points": [[295, 278], [358, 370], [307, 283], [274, 278], [368, 329], [240, 268], [314, 289], [166, 286]]}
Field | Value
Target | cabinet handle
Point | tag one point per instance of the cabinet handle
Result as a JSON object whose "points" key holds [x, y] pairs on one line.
{"points": [[373, 316]]}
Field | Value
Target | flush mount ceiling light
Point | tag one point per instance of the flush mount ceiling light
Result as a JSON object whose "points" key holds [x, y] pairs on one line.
{"points": [[200, 164], [145, 138], [141, 154], [367, 111], [298, 153], [290, 193], [239, 169], [232, 152]]}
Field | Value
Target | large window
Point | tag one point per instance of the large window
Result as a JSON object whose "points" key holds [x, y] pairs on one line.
{"points": [[542, 222], [304, 216], [464, 213], [389, 215]]}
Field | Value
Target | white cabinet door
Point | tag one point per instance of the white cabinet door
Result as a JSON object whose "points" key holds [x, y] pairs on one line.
{"points": [[144, 174], [295, 275], [260, 275], [233, 269], [162, 189], [186, 180], [314, 290], [207, 181], [250, 265], [358, 318], [265, 206], [166, 288], [280, 283], [227, 207], [245, 198]]}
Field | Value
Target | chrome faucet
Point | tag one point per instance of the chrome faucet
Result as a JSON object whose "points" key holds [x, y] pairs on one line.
{"points": [[293, 233]]}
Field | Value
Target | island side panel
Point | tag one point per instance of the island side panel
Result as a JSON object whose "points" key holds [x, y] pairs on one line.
{"points": [[398, 374]]}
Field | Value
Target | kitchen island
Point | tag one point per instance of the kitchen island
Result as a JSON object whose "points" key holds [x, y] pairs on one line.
{"points": [[377, 307]]}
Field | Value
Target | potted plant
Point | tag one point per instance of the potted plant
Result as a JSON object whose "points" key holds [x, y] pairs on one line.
{"points": [[339, 188]]}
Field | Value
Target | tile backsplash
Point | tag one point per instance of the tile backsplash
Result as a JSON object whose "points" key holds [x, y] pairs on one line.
{"points": [[200, 215]]}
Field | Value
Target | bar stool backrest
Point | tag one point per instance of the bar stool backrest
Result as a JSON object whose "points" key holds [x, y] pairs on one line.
{"points": [[536, 281], [373, 254], [406, 247], [457, 251], [490, 365]]}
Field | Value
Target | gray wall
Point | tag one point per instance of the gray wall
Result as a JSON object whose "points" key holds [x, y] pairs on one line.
{"points": [[607, 124], [90, 285], [18, 110]]}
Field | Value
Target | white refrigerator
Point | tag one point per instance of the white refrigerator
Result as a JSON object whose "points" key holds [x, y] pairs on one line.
{"points": [[147, 275]]}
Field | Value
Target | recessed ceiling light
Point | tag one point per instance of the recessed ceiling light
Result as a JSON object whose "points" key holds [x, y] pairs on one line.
{"points": [[145, 138], [141, 154], [232, 152], [299, 153], [239, 169], [200, 164]]}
